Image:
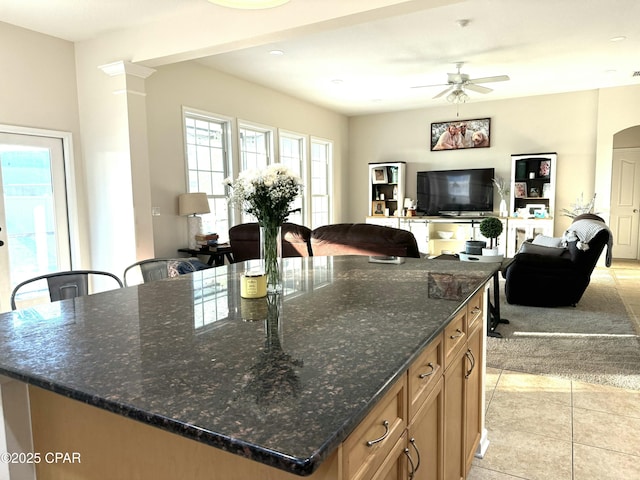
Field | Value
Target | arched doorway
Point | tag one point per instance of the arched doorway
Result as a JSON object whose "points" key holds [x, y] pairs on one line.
{"points": [[625, 193]]}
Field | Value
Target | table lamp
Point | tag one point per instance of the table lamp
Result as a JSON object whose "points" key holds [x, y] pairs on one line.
{"points": [[192, 204]]}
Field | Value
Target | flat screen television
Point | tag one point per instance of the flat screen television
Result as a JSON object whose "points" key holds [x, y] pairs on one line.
{"points": [[456, 192]]}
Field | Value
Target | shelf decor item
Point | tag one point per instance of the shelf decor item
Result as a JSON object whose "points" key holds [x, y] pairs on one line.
{"points": [[267, 195], [378, 208], [379, 175], [580, 207], [503, 190], [491, 228]]}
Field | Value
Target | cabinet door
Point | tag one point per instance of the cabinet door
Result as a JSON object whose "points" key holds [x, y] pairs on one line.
{"points": [[454, 417], [425, 436], [473, 395], [420, 230], [395, 465]]}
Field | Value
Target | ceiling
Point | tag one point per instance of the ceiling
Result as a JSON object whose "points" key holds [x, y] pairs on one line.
{"points": [[544, 46]]}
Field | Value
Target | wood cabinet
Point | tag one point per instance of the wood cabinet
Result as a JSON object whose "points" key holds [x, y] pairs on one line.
{"points": [[373, 441], [445, 401], [425, 427], [386, 188], [463, 384], [426, 413]]}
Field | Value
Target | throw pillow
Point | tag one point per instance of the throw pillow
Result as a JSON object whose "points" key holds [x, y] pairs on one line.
{"points": [[547, 241], [528, 247]]}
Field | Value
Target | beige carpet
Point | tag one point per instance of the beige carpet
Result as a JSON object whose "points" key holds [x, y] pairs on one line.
{"points": [[595, 342]]}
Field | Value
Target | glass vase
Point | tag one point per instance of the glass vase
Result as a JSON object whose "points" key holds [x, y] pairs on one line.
{"points": [[271, 256]]}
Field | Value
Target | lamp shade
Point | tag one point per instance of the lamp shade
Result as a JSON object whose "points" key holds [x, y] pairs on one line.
{"points": [[193, 203]]}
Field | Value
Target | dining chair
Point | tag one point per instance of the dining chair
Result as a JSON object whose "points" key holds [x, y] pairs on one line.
{"points": [[152, 269], [60, 285]]}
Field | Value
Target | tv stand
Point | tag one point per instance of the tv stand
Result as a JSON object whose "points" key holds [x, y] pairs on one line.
{"points": [[426, 228], [465, 214]]}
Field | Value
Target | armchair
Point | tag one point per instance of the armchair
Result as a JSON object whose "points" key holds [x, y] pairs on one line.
{"points": [[544, 274]]}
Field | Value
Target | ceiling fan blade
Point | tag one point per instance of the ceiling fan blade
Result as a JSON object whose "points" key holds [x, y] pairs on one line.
{"points": [[497, 78], [427, 86], [477, 88], [444, 92]]}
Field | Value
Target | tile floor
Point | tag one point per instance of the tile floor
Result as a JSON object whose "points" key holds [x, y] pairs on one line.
{"points": [[555, 429]]}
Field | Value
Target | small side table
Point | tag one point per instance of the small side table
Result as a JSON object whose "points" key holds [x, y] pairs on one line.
{"points": [[216, 257]]}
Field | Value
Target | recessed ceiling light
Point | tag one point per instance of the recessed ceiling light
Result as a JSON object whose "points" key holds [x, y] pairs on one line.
{"points": [[618, 39], [276, 52], [337, 81], [249, 4]]}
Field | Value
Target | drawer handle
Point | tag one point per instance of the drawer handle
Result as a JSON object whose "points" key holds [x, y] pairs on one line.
{"points": [[424, 375], [413, 442], [413, 469], [453, 337], [470, 356], [385, 424], [475, 310]]}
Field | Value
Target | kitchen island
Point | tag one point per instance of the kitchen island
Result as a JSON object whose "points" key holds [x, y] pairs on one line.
{"points": [[150, 378]]}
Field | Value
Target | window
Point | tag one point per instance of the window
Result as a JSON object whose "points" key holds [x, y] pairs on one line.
{"points": [[293, 156], [255, 152], [208, 159], [208, 140], [255, 147], [321, 158]]}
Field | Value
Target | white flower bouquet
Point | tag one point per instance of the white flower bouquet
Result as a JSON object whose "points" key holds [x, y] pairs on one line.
{"points": [[267, 195]]}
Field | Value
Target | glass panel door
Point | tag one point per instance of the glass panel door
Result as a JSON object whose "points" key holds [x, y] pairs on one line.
{"points": [[33, 210]]}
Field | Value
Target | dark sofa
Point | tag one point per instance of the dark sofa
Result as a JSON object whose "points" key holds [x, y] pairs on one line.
{"points": [[554, 276], [336, 239]]}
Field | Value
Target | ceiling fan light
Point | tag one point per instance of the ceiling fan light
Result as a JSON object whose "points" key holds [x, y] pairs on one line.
{"points": [[249, 4], [457, 96]]}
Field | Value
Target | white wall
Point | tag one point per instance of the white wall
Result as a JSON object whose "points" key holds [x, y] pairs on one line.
{"points": [[38, 90], [618, 110], [563, 123], [190, 84]]}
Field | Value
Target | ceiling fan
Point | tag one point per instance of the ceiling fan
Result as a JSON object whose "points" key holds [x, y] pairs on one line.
{"points": [[458, 82]]}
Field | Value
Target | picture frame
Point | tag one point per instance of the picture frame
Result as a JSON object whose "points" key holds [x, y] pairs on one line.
{"points": [[545, 168], [520, 189], [534, 192], [379, 175], [532, 207], [378, 208], [461, 134]]}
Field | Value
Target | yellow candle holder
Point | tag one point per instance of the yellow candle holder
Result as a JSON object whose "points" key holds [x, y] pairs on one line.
{"points": [[253, 285]]}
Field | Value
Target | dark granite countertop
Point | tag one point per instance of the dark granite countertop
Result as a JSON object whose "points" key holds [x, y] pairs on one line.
{"points": [[184, 354]]}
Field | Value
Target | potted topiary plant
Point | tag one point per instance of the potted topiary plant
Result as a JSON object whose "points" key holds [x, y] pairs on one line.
{"points": [[491, 228]]}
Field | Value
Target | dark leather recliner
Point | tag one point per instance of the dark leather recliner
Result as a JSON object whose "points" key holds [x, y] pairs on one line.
{"points": [[244, 240], [543, 276]]}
